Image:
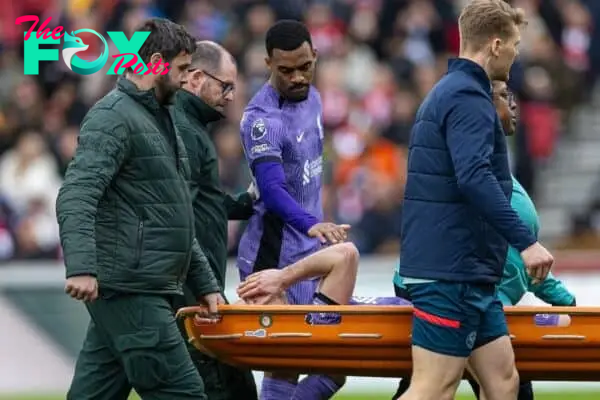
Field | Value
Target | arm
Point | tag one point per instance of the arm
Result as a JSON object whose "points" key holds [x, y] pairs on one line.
{"points": [[201, 279], [552, 291], [102, 150], [239, 207], [263, 141], [470, 139], [270, 179]]}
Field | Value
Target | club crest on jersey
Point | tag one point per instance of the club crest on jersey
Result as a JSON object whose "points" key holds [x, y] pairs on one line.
{"points": [[259, 129]]}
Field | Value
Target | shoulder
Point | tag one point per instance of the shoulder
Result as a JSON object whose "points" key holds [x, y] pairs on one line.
{"points": [[465, 96], [103, 118], [181, 119], [109, 113], [257, 121], [315, 96], [458, 84]]}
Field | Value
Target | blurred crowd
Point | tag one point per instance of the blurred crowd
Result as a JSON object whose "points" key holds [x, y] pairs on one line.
{"points": [[377, 59]]}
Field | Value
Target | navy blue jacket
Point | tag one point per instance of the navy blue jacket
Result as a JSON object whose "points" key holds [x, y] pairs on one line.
{"points": [[457, 220]]}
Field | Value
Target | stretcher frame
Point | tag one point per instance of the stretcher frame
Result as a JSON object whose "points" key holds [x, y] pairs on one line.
{"points": [[374, 341]]}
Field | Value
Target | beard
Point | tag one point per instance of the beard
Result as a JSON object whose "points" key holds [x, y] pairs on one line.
{"points": [[297, 95], [167, 87]]}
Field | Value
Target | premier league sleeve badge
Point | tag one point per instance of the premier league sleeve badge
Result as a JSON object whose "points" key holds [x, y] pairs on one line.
{"points": [[259, 129]]}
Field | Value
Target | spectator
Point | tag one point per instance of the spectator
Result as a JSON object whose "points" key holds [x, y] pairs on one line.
{"points": [[377, 59], [29, 181]]}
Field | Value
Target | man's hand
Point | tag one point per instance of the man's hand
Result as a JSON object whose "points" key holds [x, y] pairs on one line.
{"points": [[83, 287], [329, 232], [212, 302], [253, 191], [265, 285], [538, 262]]}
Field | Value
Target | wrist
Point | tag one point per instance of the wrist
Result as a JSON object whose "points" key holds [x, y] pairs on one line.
{"points": [[287, 277], [307, 223]]}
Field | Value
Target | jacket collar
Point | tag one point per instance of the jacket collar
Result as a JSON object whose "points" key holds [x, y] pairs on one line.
{"points": [[145, 97], [196, 107], [473, 69]]}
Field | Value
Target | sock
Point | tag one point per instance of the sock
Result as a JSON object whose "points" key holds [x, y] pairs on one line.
{"points": [[320, 299], [525, 391], [402, 387], [276, 389], [316, 387]]}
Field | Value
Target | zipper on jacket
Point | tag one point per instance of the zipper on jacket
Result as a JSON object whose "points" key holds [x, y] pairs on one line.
{"points": [[139, 242], [186, 267]]}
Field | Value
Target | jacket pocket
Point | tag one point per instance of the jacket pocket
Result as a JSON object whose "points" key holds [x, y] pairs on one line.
{"points": [[139, 243]]}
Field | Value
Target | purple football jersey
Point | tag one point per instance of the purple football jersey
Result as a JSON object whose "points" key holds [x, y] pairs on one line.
{"points": [[291, 133]]}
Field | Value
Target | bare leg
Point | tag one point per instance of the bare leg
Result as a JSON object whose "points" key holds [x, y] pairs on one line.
{"points": [[494, 365], [480, 394], [445, 371]]}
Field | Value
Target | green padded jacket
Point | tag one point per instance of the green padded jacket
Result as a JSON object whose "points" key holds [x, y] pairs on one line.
{"points": [[212, 206], [125, 210]]}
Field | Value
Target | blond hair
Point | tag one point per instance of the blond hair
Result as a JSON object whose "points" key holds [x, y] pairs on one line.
{"points": [[482, 20]]}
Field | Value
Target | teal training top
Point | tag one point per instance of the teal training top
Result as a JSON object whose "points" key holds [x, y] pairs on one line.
{"points": [[515, 281]]}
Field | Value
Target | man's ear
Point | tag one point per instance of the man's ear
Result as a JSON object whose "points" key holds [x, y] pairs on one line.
{"points": [[315, 53], [196, 77], [268, 62], [495, 47], [156, 58]]}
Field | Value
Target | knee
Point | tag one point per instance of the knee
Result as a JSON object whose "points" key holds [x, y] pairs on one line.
{"points": [[349, 254], [511, 382]]}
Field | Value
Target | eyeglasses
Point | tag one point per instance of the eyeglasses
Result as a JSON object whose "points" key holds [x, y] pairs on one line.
{"points": [[226, 87]]}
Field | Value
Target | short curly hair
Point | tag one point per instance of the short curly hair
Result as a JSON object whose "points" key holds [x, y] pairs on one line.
{"points": [[286, 35], [166, 38]]}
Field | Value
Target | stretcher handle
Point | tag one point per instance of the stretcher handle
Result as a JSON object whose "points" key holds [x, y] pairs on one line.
{"points": [[563, 337], [185, 312], [200, 311]]}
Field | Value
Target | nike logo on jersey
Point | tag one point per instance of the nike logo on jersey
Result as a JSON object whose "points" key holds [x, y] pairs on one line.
{"points": [[300, 137]]}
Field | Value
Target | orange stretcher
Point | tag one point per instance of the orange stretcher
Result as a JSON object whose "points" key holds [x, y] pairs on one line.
{"points": [[375, 340]]}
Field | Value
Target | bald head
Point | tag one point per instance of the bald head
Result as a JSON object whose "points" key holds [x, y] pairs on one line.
{"points": [[210, 56], [213, 75]]}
